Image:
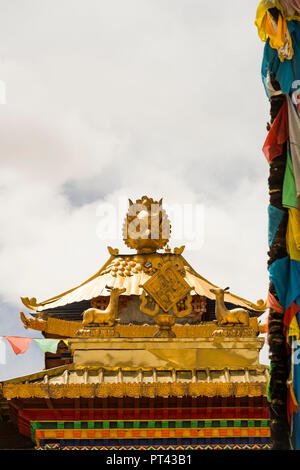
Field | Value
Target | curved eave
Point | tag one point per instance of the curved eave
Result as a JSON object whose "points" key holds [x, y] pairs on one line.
{"points": [[50, 303], [202, 287], [96, 286]]}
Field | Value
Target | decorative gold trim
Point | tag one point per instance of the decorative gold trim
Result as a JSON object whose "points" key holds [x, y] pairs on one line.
{"points": [[118, 390], [98, 332], [234, 332], [68, 329]]}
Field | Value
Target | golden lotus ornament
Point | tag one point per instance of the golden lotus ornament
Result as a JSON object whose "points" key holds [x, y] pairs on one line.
{"points": [[146, 227]]}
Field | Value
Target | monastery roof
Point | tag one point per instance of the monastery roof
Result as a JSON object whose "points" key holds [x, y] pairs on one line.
{"points": [[71, 382], [131, 272]]}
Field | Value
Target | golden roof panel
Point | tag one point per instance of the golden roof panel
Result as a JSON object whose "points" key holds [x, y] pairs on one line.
{"points": [[130, 272], [102, 382]]}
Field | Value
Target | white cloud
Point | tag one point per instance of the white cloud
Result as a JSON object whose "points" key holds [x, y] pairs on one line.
{"points": [[120, 99]]}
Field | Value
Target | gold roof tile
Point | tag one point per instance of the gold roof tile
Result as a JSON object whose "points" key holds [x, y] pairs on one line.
{"points": [[70, 382], [130, 272]]}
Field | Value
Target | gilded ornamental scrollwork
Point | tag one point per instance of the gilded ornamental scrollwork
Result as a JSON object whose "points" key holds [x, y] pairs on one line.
{"points": [[167, 290], [119, 390]]}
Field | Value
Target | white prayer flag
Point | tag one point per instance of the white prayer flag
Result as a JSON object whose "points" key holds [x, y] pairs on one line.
{"points": [[2, 351]]}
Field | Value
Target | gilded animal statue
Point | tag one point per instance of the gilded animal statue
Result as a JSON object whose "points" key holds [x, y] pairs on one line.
{"points": [[224, 316], [105, 317]]}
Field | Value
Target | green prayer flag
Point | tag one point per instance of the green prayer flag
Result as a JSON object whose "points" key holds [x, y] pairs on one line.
{"points": [[289, 191], [48, 345]]}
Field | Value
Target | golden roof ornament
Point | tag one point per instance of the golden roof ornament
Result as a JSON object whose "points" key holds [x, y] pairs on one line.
{"points": [[146, 227], [224, 316], [167, 290], [167, 287], [234, 322], [101, 323]]}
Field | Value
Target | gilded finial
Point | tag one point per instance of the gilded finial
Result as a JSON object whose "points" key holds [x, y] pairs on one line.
{"points": [[146, 227]]}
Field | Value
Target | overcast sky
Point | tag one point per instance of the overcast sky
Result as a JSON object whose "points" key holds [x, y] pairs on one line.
{"points": [[110, 99]]}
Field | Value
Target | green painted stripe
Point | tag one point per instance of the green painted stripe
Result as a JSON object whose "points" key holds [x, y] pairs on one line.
{"points": [[148, 424]]}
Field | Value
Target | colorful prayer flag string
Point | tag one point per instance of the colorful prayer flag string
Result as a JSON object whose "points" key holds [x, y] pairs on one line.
{"points": [[278, 26], [21, 344]]}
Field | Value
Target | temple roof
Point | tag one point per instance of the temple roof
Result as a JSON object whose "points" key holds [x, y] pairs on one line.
{"points": [[131, 272], [71, 382]]}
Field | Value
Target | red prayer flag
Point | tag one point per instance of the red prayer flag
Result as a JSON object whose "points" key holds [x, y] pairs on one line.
{"points": [[19, 345], [290, 313], [274, 304], [278, 134]]}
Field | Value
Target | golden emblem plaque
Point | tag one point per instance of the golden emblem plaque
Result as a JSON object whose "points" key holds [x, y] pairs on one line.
{"points": [[167, 287]]}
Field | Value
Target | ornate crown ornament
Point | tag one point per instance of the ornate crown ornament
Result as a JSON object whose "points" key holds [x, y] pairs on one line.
{"points": [[146, 227]]}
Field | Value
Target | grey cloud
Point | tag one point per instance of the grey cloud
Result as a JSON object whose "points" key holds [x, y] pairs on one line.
{"points": [[111, 99]]}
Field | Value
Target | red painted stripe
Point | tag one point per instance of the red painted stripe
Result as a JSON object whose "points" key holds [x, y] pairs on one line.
{"points": [[150, 414]]}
